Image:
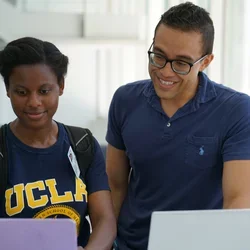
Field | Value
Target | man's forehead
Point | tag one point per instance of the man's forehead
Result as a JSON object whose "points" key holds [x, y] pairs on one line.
{"points": [[174, 42]]}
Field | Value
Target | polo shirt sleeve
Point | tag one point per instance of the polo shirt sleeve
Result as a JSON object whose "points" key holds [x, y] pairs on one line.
{"points": [[116, 112], [237, 141], [96, 177]]}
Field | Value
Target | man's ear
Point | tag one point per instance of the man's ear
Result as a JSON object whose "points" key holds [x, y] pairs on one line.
{"points": [[209, 58], [61, 86]]}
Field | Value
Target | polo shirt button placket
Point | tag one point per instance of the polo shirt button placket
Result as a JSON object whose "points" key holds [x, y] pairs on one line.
{"points": [[167, 131]]}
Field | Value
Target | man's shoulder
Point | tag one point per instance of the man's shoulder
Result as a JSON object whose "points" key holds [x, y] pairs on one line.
{"points": [[133, 89], [230, 94], [235, 102]]}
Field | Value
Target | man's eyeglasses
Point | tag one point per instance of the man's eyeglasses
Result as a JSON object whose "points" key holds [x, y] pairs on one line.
{"points": [[178, 66]]}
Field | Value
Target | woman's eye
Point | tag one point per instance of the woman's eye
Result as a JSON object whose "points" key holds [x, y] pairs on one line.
{"points": [[44, 91], [21, 92]]}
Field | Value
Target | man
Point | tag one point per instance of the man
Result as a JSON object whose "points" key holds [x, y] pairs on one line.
{"points": [[178, 141]]}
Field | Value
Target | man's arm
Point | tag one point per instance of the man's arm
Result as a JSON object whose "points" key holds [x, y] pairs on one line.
{"points": [[118, 172], [236, 184]]}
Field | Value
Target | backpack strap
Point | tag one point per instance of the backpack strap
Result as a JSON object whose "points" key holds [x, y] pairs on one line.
{"points": [[82, 143], [3, 164]]}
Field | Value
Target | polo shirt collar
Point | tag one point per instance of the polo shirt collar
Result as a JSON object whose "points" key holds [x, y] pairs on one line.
{"points": [[206, 90]]}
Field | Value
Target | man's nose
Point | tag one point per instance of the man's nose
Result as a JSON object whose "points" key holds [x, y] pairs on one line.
{"points": [[167, 70]]}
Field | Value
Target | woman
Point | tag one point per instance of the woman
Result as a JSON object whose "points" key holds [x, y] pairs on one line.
{"points": [[42, 180]]}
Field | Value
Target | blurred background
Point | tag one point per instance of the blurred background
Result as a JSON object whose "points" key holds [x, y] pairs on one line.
{"points": [[107, 41]]}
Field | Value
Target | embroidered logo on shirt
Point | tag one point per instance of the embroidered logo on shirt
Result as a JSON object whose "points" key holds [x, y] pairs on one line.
{"points": [[60, 211], [202, 151]]}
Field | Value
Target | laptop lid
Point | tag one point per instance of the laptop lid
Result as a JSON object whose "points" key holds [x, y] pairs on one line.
{"points": [[200, 230], [38, 234]]}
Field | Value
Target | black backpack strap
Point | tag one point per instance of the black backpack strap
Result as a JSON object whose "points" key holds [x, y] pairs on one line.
{"points": [[3, 164], [82, 143]]}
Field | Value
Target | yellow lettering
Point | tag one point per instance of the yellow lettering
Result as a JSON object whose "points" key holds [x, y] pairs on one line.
{"points": [[80, 191], [55, 198], [30, 197], [18, 190]]}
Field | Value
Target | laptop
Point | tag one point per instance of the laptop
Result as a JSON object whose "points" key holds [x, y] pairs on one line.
{"points": [[200, 230], [38, 234]]}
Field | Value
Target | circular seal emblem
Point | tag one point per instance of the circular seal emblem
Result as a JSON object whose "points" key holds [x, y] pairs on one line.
{"points": [[60, 211]]}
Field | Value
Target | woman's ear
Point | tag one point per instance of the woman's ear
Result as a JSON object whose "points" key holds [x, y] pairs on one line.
{"points": [[61, 86], [7, 90]]}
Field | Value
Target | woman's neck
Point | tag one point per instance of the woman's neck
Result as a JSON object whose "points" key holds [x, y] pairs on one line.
{"points": [[37, 138]]}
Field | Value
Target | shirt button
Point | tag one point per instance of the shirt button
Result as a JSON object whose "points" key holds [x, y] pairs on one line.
{"points": [[169, 124]]}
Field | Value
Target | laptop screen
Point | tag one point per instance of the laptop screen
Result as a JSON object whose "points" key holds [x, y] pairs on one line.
{"points": [[38, 234], [200, 230]]}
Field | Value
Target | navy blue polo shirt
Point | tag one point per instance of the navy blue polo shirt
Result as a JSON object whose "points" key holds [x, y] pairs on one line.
{"points": [[176, 162]]}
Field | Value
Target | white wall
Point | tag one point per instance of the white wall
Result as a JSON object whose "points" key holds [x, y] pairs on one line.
{"points": [[15, 23], [96, 70], [68, 6], [6, 113], [50, 19], [114, 26], [113, 7], [245, 62]]}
